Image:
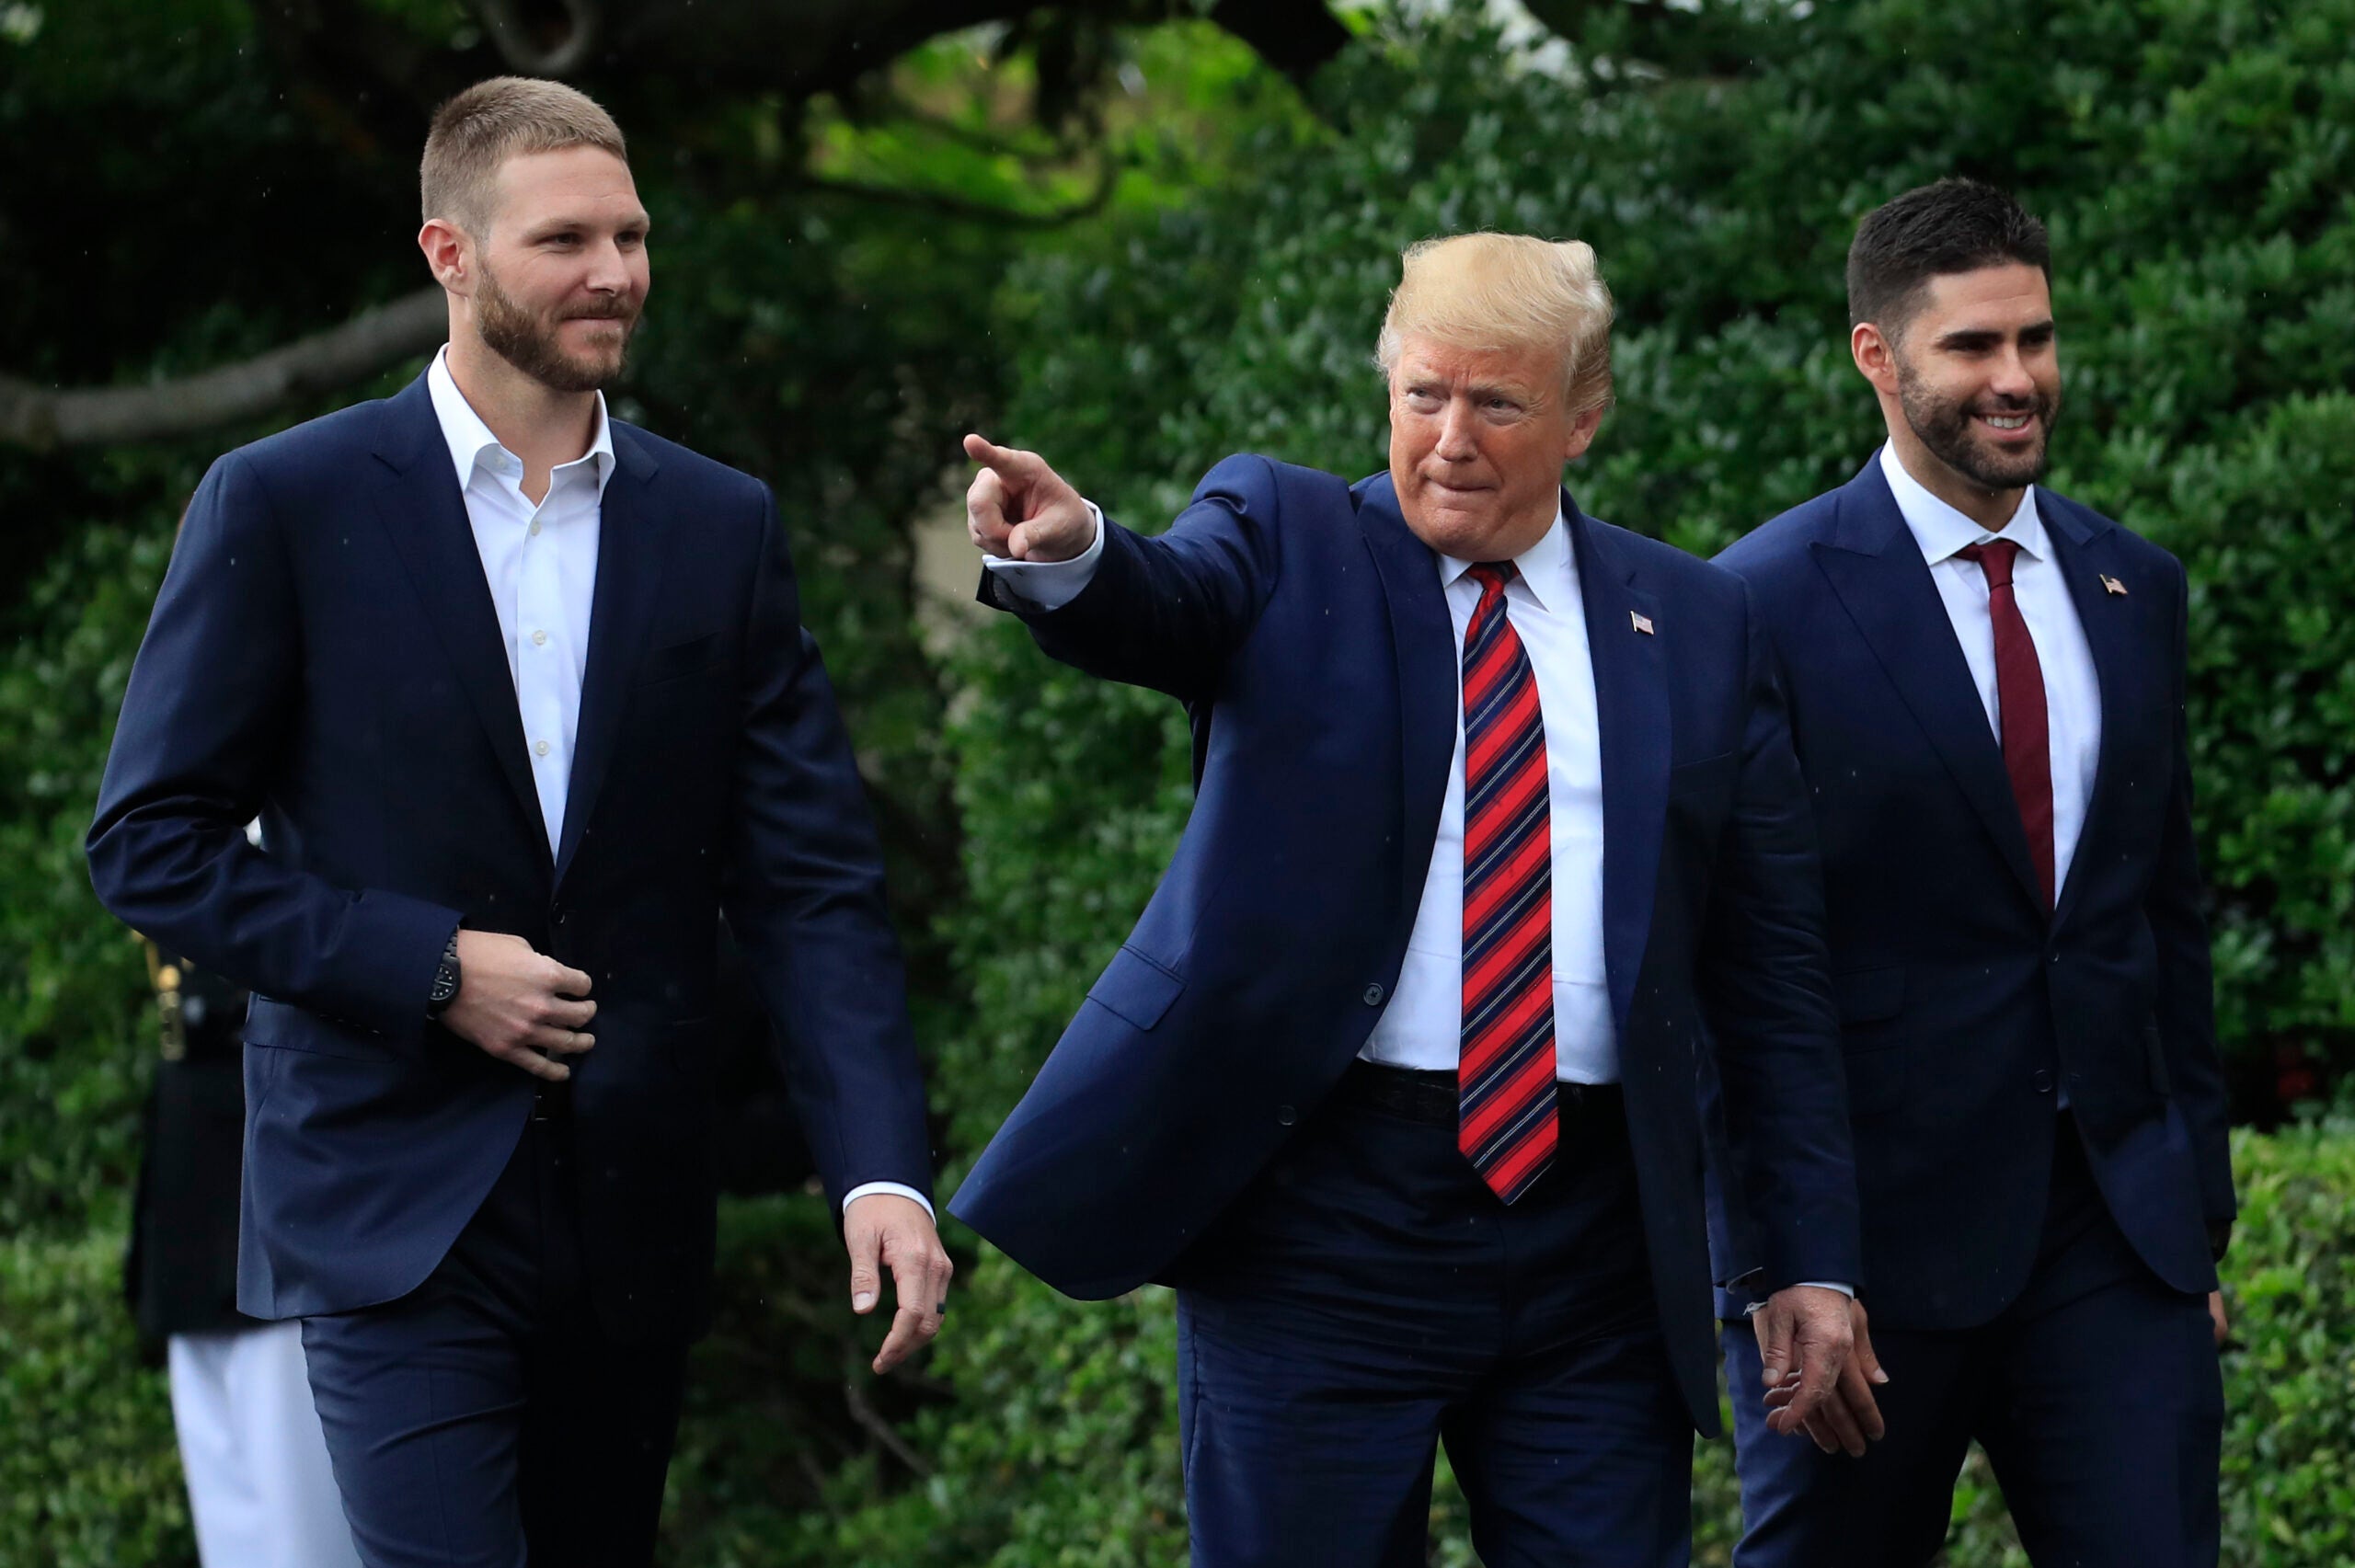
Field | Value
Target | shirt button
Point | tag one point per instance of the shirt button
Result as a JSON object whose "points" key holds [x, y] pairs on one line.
{"points": [[1374, 996], [539, 639], [535, 529], [540, 747]]}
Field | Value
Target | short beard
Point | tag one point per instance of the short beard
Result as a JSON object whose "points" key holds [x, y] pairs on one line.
{"points": [[522, 341], [1944, 429]]}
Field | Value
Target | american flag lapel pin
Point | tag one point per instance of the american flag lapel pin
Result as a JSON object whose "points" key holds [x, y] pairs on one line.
{"points": [[2111, 584], [1643, 623]]}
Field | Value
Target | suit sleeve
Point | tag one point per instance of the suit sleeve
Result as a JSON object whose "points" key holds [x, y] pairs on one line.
{"points": [[1168, 612], [1766, 985], [2187, 1010], [213, 695], [804, 894]]}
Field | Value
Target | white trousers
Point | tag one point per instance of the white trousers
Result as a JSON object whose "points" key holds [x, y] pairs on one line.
{"points": [[259, 1485]]}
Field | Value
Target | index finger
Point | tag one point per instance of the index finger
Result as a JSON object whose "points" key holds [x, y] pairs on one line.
{"points": [[1005, 460]]}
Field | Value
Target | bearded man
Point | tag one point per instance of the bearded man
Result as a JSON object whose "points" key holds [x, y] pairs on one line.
{"points": [[521, 698], [1986, 683], [1499, 853]]}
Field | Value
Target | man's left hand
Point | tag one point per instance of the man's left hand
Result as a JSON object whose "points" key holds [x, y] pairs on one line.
{"points": [[884, 1231], [1808, 1338]]}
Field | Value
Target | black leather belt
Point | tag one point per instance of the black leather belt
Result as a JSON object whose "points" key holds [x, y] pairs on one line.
{"points": [[1433, 1097]]}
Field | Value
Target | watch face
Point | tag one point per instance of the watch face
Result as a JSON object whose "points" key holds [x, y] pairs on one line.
{"points": [[446, 984]]}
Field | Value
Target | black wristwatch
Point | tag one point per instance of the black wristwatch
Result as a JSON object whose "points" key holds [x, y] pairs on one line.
{"points": [[445, 981]]}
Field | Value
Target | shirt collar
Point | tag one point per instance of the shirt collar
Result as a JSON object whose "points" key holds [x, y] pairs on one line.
{"points": [[1546, 567], [472, 445], [1941, 531]]}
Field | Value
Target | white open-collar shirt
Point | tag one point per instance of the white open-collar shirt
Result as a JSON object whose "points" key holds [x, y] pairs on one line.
{"points": [[540, 559]]}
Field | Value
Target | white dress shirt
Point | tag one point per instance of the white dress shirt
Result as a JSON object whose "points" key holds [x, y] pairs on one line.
{"points": [[1422, 1026], [2071, 688], [540, 560]]}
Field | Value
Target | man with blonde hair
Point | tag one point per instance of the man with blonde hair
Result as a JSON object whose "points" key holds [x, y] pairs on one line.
{"points": [[522, 699], [1498, 856]]}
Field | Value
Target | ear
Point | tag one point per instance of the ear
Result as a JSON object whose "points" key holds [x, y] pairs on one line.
{"points": [[1876, 356], [450, 253], [1582, 430]]}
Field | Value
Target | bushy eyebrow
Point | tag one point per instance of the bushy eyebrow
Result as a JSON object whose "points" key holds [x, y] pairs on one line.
{"points": [[1988, 337]]}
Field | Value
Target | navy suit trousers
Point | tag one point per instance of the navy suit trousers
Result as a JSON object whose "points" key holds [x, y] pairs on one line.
{"points": [[483, 1420], [1368, 1298], [2096, 1394]]}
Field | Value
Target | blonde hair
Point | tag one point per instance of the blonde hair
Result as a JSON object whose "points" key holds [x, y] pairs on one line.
{"points": [[1508, 292], [492, 122]]}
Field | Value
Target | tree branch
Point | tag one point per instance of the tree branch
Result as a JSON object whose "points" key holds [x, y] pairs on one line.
{"points": [[544, 37], [41, 417]]}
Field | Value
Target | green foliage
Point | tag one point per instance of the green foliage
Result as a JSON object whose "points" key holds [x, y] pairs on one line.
{"points": [[72, 1038], [2290, 1432], [89, 1476]]}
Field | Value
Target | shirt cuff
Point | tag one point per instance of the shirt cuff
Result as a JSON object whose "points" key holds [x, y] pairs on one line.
{"points": [[1041, 586], [867, 1189], [1847, 1290]]}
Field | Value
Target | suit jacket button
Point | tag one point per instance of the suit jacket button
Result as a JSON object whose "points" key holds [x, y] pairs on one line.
{"points": [[2043, 1081], [1374, 996], [1285, 1115]]}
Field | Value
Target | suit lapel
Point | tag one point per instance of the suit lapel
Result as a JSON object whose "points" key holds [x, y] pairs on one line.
{"points": [[2086, 555], [421, 507], [629, 575], [1631, 705], [1425, 642], [1875, 565]]}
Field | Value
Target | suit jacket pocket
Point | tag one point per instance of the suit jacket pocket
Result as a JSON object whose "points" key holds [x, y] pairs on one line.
{"points": [[1869, 996], [675, 659], [1707, 772], [281, 1025], [1137, 988]]}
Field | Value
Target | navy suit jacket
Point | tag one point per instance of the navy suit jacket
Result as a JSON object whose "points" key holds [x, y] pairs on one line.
{"points": [[1306, 628], [1963, 1008], [325, 654]]}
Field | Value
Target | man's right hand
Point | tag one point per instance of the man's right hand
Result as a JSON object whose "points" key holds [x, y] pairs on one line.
{"points": [[519, 1005], [1844, 1416], [1018, 508]]}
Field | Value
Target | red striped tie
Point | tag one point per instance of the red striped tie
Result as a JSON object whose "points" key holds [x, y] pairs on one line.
{"points": [[1506, 1124]]}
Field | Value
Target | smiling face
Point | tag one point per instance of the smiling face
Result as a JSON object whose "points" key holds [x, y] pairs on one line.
{"points": [[562, 267], [1477, 440], [1971, 386]]}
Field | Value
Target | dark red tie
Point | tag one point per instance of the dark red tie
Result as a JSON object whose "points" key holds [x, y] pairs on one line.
{"points": [[2020, 699], [1505, 1076]]}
